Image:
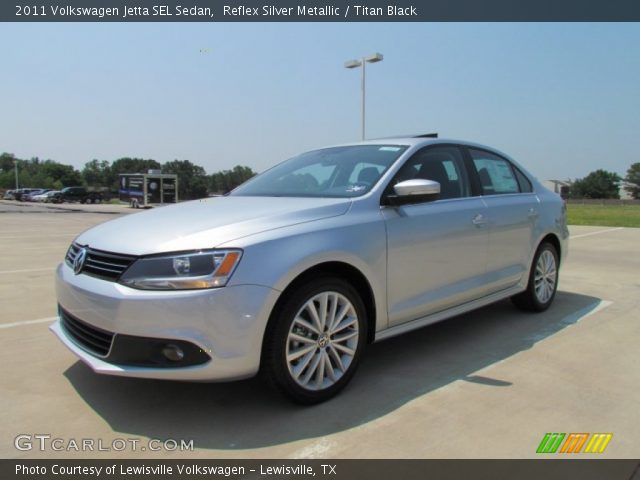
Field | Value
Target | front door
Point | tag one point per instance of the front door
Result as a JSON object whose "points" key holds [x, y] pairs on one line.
{"points": [[437, 251]]}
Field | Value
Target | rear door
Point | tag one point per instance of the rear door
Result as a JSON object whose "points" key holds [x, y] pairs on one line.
{"points": [[436, 251], [512, 210]]}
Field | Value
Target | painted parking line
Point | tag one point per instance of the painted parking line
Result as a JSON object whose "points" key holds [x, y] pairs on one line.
{"points": [[596, 233], [2, 272], [549, 331], [27, 322], [571, 319]]}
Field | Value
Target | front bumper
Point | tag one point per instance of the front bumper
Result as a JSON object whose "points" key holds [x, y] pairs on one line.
{"points": [[227, 323]]}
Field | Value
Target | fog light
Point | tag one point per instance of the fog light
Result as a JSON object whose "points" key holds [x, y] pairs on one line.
{"points": [[173, 352]]}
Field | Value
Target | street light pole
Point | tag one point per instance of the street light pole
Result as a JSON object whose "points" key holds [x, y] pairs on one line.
{"points": [[376, 57], [15, 162]]}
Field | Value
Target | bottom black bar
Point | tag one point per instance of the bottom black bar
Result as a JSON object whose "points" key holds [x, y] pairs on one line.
{"points": [[586, 469]]}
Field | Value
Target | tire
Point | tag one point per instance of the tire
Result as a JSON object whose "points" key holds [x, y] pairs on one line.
{"points": [[306, 363], [543, 281]]}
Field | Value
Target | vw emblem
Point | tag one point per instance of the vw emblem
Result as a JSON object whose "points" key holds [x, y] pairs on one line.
{"points": [[78, 262], [323, 341]]}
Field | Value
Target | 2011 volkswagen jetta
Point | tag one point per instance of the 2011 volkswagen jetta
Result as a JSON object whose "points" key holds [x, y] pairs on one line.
{"points": [[296, 270]]}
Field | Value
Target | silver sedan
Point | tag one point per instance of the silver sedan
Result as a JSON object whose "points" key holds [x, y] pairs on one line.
{"points": [[294, 272]]}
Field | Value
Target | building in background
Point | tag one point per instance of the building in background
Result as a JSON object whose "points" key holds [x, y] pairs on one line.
{"points": [[561, 187]]}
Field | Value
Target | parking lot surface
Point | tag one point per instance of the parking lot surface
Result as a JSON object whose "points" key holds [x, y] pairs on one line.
{"points": [[488, 384]]}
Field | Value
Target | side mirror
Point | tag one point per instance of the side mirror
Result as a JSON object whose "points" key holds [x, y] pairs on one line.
{"points": [[417, 190]]}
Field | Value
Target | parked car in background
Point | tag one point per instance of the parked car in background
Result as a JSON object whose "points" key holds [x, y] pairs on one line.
{"points": [[78, 194], [30, 197], [52, 196], [21, 193], [41, 197], [296, 270], [37, 197], [8, 195]]}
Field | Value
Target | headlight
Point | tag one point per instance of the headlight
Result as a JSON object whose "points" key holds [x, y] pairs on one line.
{"points": [[182, 271]]}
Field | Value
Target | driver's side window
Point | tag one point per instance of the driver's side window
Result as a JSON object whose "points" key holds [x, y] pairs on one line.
{"points": [[444, 165]]}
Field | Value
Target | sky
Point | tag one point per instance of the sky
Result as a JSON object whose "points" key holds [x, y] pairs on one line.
{"points": [[563, 99]]}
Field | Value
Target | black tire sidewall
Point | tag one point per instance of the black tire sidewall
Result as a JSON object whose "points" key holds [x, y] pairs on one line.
{"points": [[277, 364]]}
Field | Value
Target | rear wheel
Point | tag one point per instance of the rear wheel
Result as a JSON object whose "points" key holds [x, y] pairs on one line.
{"points": [[543, 281], [313, 349]]}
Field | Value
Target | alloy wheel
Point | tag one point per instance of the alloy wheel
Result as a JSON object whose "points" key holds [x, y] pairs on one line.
{"points": [[545, 277], [322, 341]]}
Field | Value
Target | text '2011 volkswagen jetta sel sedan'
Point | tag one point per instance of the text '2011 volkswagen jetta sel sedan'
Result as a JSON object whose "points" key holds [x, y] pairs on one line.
{"points": [[296, 270]]}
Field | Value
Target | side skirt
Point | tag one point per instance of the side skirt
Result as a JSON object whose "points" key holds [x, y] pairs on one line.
{"points": [[445, 314]]}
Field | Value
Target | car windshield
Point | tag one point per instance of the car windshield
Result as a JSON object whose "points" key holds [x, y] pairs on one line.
{"points": [[348, 171]]}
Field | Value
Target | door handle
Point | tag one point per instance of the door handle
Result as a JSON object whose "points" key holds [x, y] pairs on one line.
{"points": [[479, 220], [533, 213]]}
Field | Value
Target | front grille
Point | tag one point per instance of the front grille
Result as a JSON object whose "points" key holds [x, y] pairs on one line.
{"points": [[92, 339], [105, 265], [71, 254]]}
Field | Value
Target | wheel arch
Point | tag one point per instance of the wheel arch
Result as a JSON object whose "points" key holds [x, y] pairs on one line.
{"points": [[553, 239], [337, 269]]}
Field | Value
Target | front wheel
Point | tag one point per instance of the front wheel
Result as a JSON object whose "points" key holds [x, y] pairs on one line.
{"points": [[543, 281], [313, 348]]}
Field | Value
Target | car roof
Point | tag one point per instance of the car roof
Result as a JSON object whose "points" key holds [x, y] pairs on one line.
{"points": [[414, 140]]}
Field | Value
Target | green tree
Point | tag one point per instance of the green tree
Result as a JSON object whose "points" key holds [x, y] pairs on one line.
{"points": [[37, 173], [598, 184], [7, 162], [7, 170], [50, 172], [129, 165], [192, 179], [226, 180], [633, 177], [97, 173], [7, 180]]}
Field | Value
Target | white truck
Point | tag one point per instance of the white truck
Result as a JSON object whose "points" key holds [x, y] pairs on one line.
{"points": [[145, 190]]}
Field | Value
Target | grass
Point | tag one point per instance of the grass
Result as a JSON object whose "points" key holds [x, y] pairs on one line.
{"points": [[604, 215]]}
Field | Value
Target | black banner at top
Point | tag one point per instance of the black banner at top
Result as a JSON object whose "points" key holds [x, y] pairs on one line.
{"points": [[320, 11]]}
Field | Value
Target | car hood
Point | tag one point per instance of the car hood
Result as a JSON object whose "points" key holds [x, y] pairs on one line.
{"points": [[206, 223]]}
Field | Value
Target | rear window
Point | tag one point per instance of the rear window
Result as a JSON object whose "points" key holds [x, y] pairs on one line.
{"points": [[495, 173]]}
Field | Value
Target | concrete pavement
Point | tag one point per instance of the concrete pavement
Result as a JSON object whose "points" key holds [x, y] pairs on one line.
{"points": [[488, 384]]}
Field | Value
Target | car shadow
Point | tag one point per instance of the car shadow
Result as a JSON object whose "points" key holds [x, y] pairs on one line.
{"points": [[246, 414]]}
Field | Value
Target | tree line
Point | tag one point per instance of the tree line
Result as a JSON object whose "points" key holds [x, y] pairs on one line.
{"points": [[603, 184], [193, 180]]}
